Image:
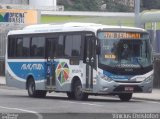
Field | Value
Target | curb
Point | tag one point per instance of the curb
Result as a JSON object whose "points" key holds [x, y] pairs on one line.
{"points": [[147, 99], [2, 84]]}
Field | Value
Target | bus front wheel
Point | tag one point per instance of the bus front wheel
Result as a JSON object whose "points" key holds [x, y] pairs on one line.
{"points": [[78, 93], [32, 92], [125, 97]]}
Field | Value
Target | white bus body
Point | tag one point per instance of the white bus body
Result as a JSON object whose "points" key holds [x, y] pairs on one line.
{"points": [[80, 59]]}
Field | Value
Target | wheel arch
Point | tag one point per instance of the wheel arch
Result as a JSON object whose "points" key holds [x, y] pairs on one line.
{"points": [[74, 79]]}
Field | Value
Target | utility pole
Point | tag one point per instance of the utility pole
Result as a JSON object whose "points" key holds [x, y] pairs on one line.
{"points": [[137, 13]]}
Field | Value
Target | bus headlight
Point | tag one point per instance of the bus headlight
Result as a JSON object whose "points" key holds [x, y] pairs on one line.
{"points": [[149, 79], [106, 78]]}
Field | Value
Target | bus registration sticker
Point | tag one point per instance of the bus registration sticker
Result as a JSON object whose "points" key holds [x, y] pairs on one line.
{"points": [[110, 56], [62, 72]]}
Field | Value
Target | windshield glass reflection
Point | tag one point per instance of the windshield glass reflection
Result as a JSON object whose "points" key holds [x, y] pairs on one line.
{"points": [[133, 53]]}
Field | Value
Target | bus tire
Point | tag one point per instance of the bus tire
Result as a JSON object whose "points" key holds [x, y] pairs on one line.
{"points": [[70, 95], [32, 92], [79, 95], [125, 97]]}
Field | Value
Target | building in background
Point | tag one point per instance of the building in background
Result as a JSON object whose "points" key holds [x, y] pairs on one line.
{"points": [[43, 5], [24, 2], [14, 14], [40, 3], [46, 5]]}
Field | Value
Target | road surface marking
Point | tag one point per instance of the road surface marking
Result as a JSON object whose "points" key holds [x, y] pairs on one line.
{"points": [[147, 101], [23, 110], [91, 104], [152, 102]]}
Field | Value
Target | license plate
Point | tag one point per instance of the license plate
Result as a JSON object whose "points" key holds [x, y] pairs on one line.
{"points": [[129, 89]]}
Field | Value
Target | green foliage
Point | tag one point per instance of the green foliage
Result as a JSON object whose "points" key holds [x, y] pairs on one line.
{"points": [[116, 7], [111, 6], [150, 4], [123, 8], [60, 19], [1, 18], [100, 20], [93, 5], [82, 5]]}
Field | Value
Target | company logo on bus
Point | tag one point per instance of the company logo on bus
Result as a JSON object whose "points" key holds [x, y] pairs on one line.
{"points": [[32, 67], [62, 72]]}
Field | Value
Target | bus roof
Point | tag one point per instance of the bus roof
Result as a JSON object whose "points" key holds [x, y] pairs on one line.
{"points": [[71, 27]]}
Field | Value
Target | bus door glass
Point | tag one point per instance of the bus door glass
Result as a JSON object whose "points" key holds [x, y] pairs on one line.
{"points": [[89, 53], [50, 55]]}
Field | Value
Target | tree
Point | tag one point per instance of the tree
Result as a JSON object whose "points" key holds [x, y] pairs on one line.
{"points": [[80, 5], [150, 4], [115, 6], [94, 5]]}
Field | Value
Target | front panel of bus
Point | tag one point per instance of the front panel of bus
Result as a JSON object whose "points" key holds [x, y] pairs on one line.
{"points": [[124, 61]]}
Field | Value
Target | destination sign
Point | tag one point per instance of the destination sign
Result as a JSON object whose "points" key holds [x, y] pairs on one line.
{"points": [[120, 35], [124, 35]]}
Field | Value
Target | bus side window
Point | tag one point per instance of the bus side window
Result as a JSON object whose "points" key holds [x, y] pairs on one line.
{"points": [[51, 47], [26, 46], [19, 47], [73, 48], [60, 47], [11, 47], [55, 46], [76, 51], [37, 47]]}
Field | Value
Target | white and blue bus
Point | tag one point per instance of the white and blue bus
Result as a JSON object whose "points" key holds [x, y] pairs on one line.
{"points": [[80, 59]]}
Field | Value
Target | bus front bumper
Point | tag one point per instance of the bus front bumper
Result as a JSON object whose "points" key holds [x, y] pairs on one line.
{"points": [[121, 87]]}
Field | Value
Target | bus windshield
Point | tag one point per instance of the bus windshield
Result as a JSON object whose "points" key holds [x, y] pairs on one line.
{"points": [[123, 53]]}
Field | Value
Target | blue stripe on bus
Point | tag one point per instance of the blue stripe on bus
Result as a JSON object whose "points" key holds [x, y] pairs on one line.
{"points": [[37, 69], [23, 69]]}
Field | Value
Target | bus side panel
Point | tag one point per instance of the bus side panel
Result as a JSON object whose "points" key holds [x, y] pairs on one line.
{"points": [[18, 72], [11, 82], [62, 75], [40, 85], [11, 79], [65, 73]]}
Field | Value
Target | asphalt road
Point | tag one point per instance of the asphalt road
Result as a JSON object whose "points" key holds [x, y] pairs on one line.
{"points": [[15, 101]]}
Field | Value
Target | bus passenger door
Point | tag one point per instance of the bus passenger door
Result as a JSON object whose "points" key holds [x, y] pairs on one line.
{"points": [[50, 65], [50, 74], [89, 59]]}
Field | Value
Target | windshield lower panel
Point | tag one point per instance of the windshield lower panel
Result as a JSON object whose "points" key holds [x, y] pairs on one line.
{"points": [[123, 56]]}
